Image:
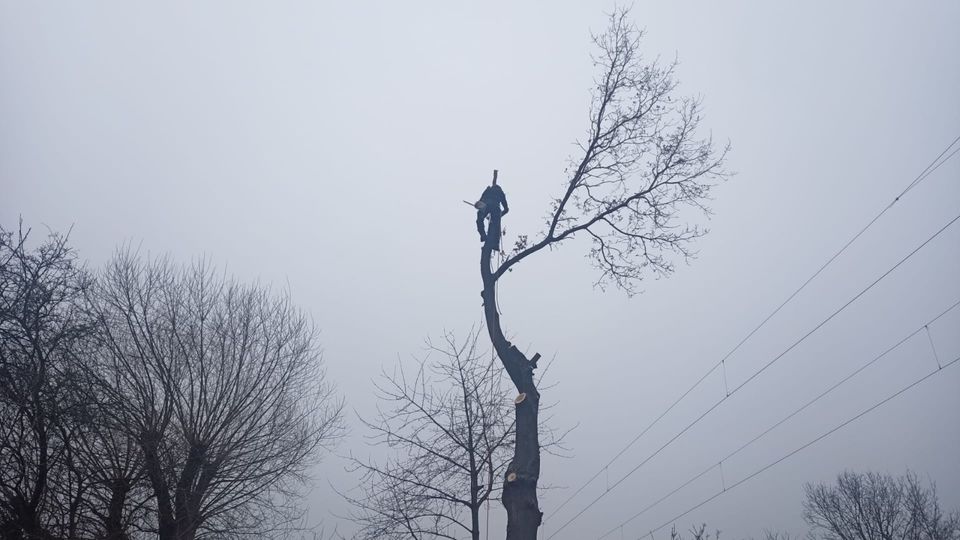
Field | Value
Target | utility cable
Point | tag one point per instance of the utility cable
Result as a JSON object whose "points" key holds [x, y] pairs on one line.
{"points": [[786, 418], [927, 171], [757, 373], [807, 445]]}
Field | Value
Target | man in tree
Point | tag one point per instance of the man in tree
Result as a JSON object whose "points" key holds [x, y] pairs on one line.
{"points": [[490, 205], [643, 164]]}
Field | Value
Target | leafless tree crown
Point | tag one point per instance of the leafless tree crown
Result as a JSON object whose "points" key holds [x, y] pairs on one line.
{"points": [[43, 329], [873, 506], [221, 387], [151, 400], [641, 162], [449, 435]]}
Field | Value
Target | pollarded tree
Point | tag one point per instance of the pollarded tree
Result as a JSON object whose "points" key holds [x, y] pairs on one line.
{"points": [[641, 163], [220, 385]]}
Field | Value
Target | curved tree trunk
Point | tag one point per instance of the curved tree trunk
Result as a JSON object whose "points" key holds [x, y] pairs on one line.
{"points": [[520, 478]]}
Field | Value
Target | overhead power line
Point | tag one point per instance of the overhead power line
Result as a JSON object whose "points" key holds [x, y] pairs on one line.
{"points": [[935, 164], [757, 373], [842, 381], [806, 445]]}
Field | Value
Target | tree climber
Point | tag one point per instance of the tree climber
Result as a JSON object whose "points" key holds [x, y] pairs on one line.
{"points": [[489, 205]]}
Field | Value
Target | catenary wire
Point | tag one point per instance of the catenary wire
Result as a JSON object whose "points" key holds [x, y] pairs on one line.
{"points": [[807, 445], [756, 374], [786, 418], [927, 171]]}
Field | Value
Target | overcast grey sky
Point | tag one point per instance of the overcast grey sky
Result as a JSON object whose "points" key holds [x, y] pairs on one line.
{"points": [[325, 148]]}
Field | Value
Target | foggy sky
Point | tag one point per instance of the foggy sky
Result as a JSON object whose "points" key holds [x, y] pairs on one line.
{"points": [[324, 148]]}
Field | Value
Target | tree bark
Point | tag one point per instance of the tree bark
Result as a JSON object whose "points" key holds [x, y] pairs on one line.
{"points": [[474, 485], [114, 527], [166, 524], [523, 472], [475, 522]]}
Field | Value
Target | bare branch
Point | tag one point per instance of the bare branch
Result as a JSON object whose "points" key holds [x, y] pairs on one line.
{"points": [[642, 163], [449, 431], [221, 387], [872, 505]]}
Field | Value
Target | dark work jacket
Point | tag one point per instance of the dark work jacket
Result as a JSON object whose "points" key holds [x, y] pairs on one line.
{"points": [[493, 197]]}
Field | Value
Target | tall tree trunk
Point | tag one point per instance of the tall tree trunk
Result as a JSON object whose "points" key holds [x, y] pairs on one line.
{"points": [[114, 529], [523, 472], [185, 494], [166, 524], [475, 522], [474, 485], [29, 526]]}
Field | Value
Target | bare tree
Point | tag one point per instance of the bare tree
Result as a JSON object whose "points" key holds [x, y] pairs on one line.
{"points": [[776, 535], [449, 433], [58, 479], [872, 506], [221, 388], [42, 326], [117, 501], [641, 163], [698, 532]]}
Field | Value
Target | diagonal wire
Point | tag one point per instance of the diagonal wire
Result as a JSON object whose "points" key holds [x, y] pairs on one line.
{"points": [[803, 407], [808, 444], [927, 171], [756, 374], [852, 300]]}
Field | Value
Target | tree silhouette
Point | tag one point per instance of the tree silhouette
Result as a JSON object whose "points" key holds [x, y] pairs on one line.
{"points": [[641, 163], [449, 430], [868, 506], [220, 385]]}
